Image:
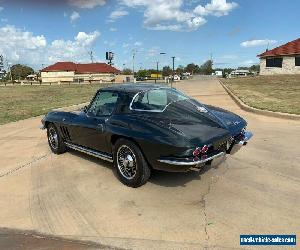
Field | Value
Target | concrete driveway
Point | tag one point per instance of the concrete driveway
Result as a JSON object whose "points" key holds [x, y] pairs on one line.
{"points": [[73, 196]]}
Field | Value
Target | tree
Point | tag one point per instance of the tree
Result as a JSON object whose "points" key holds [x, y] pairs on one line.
{"points": [[243, 68], [127, 71], [167, 71], [153, 71], [143, 73], [227, 71], [192, 68], [19, 71], [255, 68], [206, 68], [218, 69], [180, 70]]}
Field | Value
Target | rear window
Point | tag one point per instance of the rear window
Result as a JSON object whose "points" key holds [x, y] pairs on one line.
{"points": [[156, 100]]}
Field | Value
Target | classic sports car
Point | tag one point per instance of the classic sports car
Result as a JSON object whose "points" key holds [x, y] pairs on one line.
{"points": [[140, 127]]}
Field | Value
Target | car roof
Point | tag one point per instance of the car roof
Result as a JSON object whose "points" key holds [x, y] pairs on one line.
{"points": [[134, 87]]}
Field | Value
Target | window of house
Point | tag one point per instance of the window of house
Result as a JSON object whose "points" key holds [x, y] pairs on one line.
{"points": [[297, 61], [275, 62]]}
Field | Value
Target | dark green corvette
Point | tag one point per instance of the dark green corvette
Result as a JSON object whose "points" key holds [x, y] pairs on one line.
{"points": [[140, 127]]}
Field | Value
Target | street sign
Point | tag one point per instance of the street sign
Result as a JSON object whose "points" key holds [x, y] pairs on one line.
{"points": [[109, 57]]}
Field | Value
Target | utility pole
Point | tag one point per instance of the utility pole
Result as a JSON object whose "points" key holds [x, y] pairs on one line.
{"points": [[161, 53], [133, 57], [157, 62], [1, 67], [91, 56], [173, 59], [9, 66]]}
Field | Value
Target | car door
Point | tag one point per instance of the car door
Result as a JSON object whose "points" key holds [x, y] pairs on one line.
{"points": [[91, 127]]}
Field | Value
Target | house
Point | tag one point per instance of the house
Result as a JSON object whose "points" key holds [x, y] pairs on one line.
{"points": [[124, 78], [284, 59], [239, 72], [71, 72], [217, 73]]}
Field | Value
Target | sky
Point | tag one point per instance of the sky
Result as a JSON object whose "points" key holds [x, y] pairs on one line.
{"points": [[42, 32]]}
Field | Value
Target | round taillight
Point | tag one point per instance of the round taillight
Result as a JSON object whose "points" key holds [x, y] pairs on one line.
{"points": [[204, 149], [197, 152]]}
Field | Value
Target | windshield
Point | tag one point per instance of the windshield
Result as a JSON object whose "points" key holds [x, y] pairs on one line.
{"points": [[156, 100]]}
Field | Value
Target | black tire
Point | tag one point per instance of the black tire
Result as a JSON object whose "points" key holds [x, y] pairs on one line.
{"points": [[57, 145], [139, 167]]}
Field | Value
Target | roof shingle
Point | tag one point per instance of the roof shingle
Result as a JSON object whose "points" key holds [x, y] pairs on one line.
{"points": [[81, 68], [290, 48]]}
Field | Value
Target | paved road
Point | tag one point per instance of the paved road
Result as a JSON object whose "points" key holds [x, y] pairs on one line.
{"points": [[78, 197]]}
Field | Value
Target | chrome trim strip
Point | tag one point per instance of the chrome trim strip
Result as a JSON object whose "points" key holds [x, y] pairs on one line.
{"points": [[154, 111], [191, 163], [89, 152]]}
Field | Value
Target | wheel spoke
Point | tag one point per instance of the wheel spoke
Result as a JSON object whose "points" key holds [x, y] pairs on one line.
{"points": [[53, 138], [126, 161]]}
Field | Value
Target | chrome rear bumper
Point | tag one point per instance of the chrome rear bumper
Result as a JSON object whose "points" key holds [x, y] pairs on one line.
{"points": [[235, 146], [191, 163], [238, 144]]}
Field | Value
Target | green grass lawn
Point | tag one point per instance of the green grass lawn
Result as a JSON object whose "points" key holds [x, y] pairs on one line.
{"points": [[20, 102], [275, 93]]}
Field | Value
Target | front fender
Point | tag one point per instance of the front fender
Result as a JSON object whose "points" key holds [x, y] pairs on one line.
{"points": [[57, 117]]}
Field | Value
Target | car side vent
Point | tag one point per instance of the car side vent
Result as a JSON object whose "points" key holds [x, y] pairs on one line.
{"points": [[65, 133]]}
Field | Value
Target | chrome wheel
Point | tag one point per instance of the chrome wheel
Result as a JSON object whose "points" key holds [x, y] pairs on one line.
{"points": [[126, 161], [53, 138]]}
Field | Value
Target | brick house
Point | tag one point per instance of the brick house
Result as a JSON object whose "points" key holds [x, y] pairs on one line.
{"points": [[284, 59]]}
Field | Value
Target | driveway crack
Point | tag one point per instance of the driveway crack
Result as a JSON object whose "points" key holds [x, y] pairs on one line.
{"points": [[213, 180], [18, 168]]}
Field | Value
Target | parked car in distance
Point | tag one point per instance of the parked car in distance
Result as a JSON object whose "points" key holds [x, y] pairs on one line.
{"points": [[141, 78], [176, 78], [141, 127], [186, 75]]}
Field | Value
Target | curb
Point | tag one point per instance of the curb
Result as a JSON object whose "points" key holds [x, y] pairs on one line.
{"points": [[245, 107]]}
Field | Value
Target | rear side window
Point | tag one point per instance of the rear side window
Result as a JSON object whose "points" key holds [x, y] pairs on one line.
{"points": [[156, 100]]}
